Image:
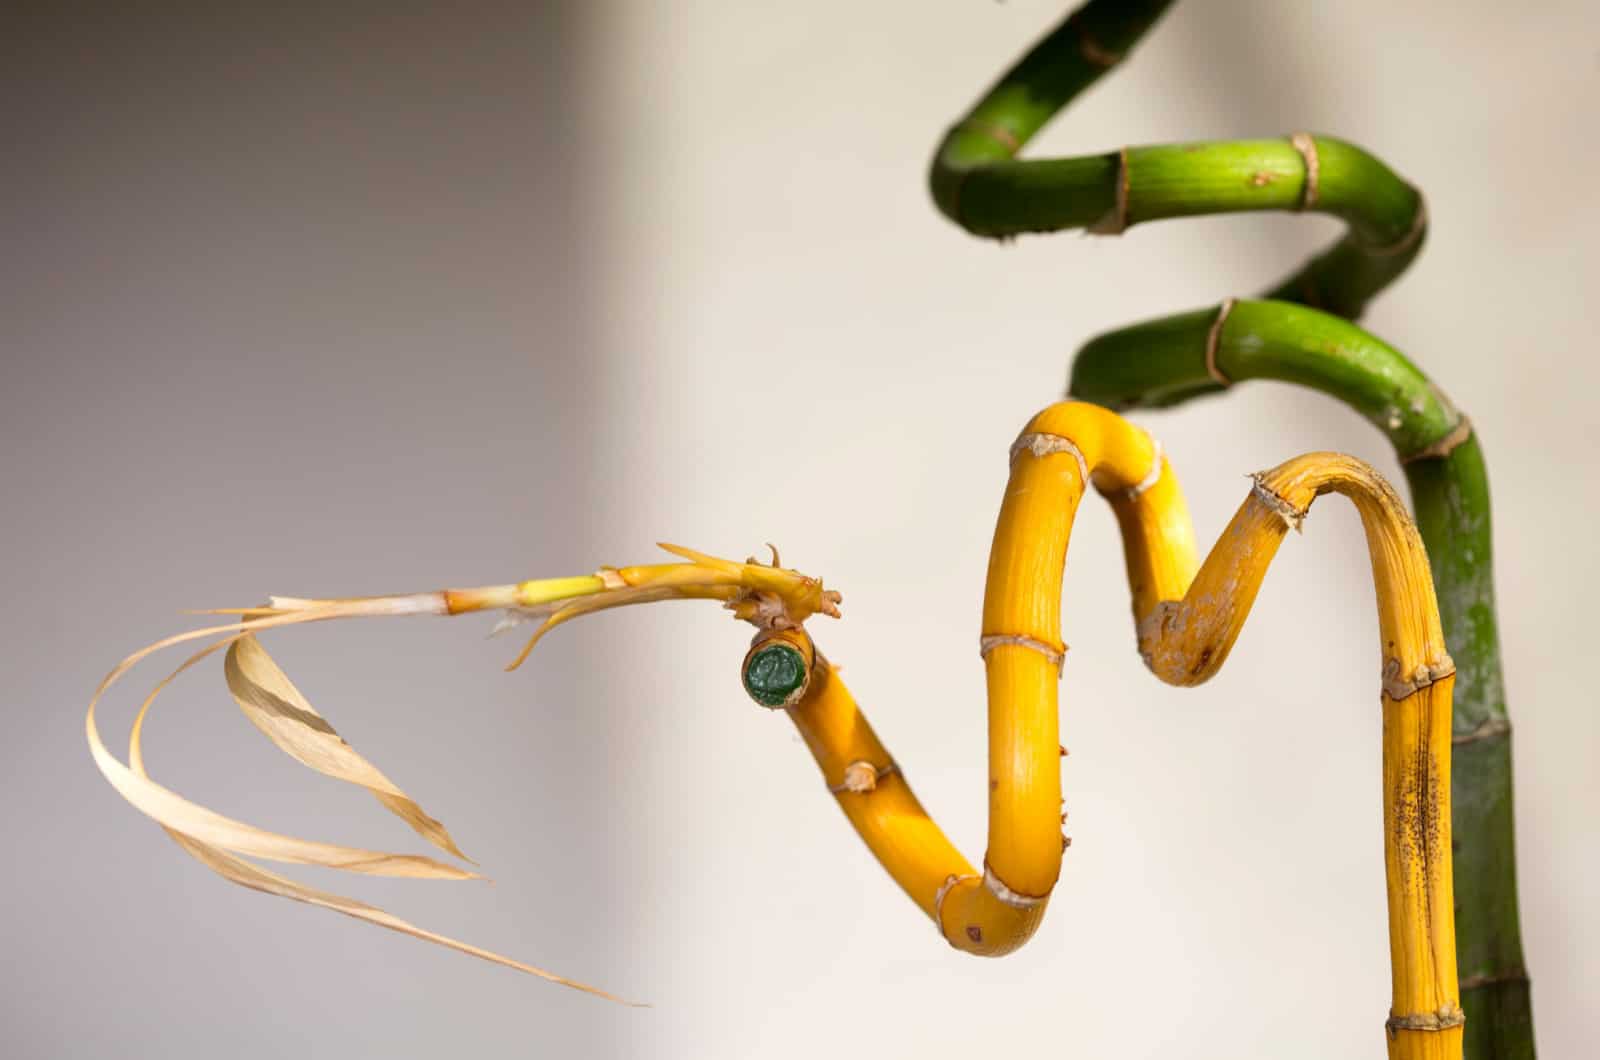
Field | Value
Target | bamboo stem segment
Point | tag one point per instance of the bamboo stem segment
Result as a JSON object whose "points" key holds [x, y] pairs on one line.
{"points": [[1188, 616], [980, 183], [1168, 361]]}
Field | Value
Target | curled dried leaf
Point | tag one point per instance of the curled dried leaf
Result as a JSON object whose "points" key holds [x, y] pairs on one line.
{"points": [[217, 841], [245, 874], [276, 707]]}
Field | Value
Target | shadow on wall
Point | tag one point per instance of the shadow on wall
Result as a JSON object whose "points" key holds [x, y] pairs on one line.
{"points": [[296, 301]]}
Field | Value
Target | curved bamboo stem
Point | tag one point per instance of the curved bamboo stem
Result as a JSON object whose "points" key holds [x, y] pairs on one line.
{"points": [[1188, 616], [980, 184], [753, 592], [1188, 613]]}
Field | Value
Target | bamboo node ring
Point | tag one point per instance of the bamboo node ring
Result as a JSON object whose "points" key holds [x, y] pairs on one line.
{"points": [[1041, 445], [938, 899], [1419, 225], [1447, 1016], [1094, 53], [1398, 688], [990, 641], [1015, 899], [1487, 729], [1444, 446], [1214, 339], [1306, 144], [1292, 517], [998, 133], [1116, 222], [1157, 460]]}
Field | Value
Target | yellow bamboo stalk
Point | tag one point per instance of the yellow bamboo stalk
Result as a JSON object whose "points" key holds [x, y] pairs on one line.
{"points": [[1187, 620], [774, 598], [1187, 616]]}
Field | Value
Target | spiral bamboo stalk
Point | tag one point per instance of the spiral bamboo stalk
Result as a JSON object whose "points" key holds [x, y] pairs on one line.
{"points": [[1300, 332], [1188, 615]]}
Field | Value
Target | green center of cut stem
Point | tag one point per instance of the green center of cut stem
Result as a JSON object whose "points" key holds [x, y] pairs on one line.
{"points": [[774, 674]]}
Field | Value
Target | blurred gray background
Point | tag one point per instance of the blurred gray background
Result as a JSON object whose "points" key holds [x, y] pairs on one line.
{"points": [[369, 298]]}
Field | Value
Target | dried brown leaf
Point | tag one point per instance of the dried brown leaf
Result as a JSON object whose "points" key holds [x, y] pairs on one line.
{"points": [[245, 874], [216, 840], [276, 707]]}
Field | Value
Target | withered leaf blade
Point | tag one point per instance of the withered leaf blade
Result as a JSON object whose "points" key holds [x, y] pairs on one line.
{"points": [[237, 870], [276, 707], [216, 840], [169, 808]]}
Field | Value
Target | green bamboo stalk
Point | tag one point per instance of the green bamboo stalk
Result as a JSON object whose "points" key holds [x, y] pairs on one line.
{"points": [[979, 183], [1164, 362]]}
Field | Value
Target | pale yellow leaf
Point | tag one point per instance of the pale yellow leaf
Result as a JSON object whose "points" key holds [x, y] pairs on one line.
{"points": [[276, 707], [242, 872], [174, 811], [209, 836]]}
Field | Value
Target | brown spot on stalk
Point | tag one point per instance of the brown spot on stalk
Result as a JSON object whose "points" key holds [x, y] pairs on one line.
{"points": [[1418, 825]]}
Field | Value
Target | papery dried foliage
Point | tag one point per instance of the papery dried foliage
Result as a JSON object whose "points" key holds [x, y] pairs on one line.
{"points": [[273, 704]]}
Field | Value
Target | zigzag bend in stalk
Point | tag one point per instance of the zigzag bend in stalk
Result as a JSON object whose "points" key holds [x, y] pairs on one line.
{"points": [[1188, 617], [979, 183]]}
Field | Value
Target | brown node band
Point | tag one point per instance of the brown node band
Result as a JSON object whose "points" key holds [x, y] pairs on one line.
{"points": [[1444, 446], [1116, 222], [1306, 144], [1015, 899], [989, 642], [1398, 688], [1040, 444], [1475, 982], [1292, 517], [1487, 729], [1157, 462], [998, 133], [1419, 225], [939, 896], [1446, 1017], [1094, 53], [1214, 339]]}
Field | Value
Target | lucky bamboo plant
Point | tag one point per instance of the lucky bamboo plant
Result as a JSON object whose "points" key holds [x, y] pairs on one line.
{"points": [[1446, 778], [1301, 331]]}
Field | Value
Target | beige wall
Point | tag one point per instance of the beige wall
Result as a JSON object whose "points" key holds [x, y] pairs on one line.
{"points": [[312, 305], [803, 351]]}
